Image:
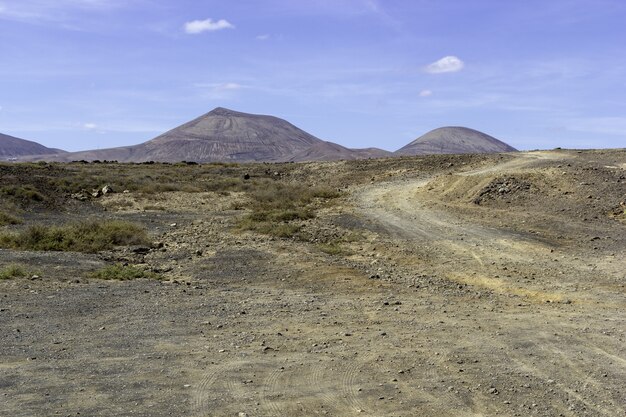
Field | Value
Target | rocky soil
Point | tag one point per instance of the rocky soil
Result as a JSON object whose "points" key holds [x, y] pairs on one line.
{"points": [[445, 285]]}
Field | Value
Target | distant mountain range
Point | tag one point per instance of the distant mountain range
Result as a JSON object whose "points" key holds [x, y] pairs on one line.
{"points": [[224, 135], [12, 147]]}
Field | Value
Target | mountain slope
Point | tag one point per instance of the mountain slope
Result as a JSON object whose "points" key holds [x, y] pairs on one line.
{"points": [[227, 135], [328, 151], [454, 140], [12, 147], [224, 135]]}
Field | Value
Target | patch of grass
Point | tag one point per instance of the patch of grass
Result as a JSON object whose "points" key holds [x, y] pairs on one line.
{"points": [[8, 219], [23, 193], [90, 236], [278, 208], [13, 271], [338, 246], [121, 272], [156, 187], [153, 207], [334, 248]]}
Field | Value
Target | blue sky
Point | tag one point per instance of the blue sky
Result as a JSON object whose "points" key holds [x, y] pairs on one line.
{"points": [[538, 74]]}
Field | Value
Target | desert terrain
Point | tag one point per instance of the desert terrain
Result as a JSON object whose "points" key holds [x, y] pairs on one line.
{"points": [[443, 285]]}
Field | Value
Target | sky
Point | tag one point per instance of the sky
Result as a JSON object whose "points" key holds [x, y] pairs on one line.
{"points": [[537, 74]]}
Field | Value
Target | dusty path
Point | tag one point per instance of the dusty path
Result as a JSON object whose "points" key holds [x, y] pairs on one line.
{"points": [[547, 280]]}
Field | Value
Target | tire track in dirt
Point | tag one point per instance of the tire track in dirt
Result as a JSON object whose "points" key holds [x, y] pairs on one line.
{"points": [[272, 392], [323, 380], [398, 207], [592, 393]]}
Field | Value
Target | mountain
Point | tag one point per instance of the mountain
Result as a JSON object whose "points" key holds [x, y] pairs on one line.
{"points": [[224, 135], [454, 140], [328, 151], [12, 147]]}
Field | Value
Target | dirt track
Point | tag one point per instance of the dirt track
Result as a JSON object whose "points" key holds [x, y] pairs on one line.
{"points": [[513, 306]]}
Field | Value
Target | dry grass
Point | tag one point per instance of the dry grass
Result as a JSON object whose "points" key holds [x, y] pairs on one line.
{"points": [[278, 209], [121, 272], [6, 218], [89, 236]]}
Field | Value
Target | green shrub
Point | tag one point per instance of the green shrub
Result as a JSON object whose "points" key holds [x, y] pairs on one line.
{"points": [[276, 205], [24, 193], [333, 248], [13, 271], [123, 273], [8, 219], [91, 236]]}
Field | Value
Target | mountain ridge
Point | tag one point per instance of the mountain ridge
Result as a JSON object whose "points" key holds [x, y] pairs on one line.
{"points": [[224, 135], [13, 147]]}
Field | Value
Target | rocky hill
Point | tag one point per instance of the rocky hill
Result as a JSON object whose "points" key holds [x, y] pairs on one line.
{"points": [[12, 147], [328, 151], [454, 140], [224, 135]]}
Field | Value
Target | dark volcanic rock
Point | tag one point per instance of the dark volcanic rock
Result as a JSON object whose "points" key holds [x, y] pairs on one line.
{"points": [[454, 140]]}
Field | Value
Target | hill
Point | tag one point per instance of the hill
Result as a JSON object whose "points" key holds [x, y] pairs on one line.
{"points": [[12, 147], [328, 151], [224, 135], [454, 140]]}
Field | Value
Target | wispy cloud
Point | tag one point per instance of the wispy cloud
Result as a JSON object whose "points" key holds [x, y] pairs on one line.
{"points": [[219, 90], [90, 126], [67, 14], [209, 25], [263, 37], [426, 93], [446, 64]]}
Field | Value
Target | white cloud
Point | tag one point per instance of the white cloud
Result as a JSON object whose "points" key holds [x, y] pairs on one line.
{"points": [[230, 86], [219, 86], [220, 91], [446, 64], [209, 25], [263, 37], [90, 126], [426, 93]]}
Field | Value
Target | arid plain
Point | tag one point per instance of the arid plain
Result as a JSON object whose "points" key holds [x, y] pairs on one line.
{"points": [[465, 285]]}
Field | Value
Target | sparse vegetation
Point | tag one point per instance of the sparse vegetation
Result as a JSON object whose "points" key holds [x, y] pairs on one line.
{"points": [[334, 248], [121, 272], [278, 208], [90, 236], [24, 193], [13, 271], [6, 218]]}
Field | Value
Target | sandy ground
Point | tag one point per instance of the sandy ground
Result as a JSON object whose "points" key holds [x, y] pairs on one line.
{"points": [[459, 298]]}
